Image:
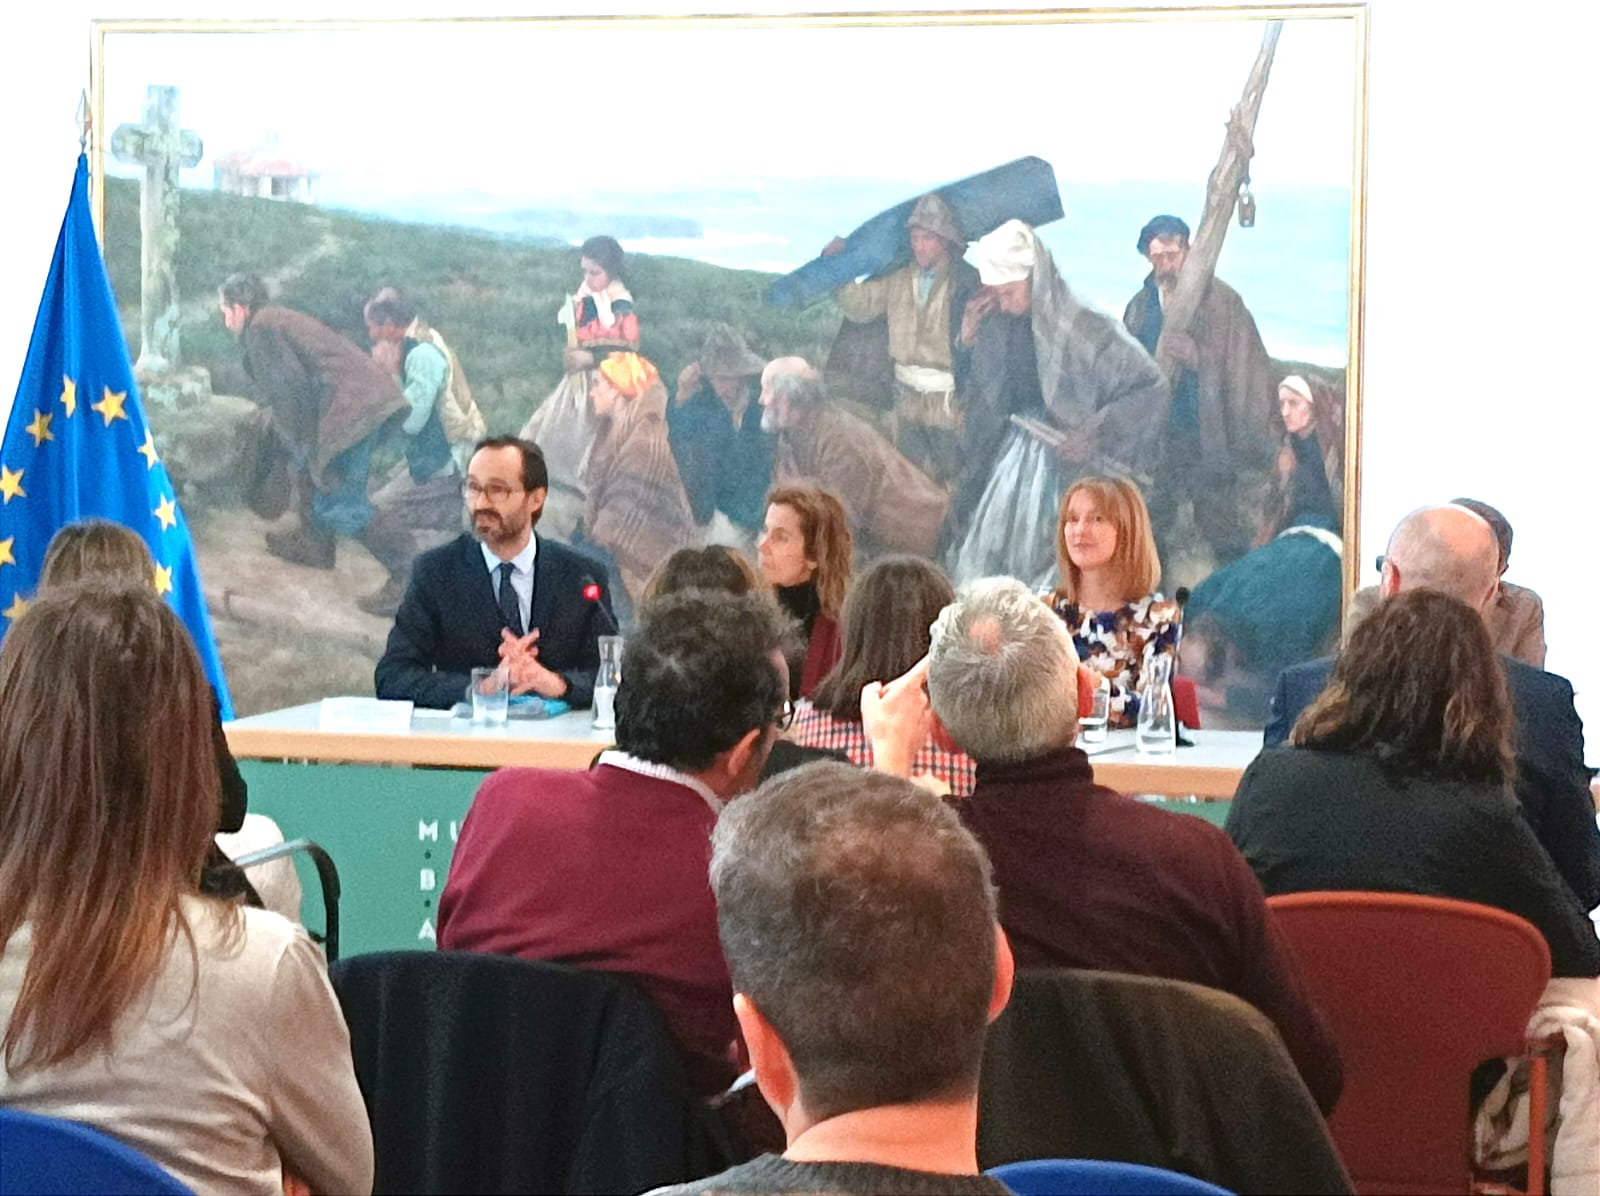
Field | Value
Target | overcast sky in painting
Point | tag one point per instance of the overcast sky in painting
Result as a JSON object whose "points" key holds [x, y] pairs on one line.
{"points": [[537, 111]]}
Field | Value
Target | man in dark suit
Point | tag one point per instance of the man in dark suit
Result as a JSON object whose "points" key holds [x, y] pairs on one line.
{"points": [[501, 595], [1451, 549]]}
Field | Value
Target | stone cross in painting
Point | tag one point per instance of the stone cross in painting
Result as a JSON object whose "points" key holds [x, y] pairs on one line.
{"points": [[161, 147]]}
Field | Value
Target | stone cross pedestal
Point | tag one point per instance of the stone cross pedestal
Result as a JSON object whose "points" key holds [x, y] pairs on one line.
{"points": [[161, 147]]}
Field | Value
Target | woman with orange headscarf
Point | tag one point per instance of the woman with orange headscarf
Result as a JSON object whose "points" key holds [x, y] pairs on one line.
{"points": [[636, 511]]}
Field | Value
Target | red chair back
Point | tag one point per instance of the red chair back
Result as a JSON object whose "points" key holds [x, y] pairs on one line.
{"points": [[1419, 991]]}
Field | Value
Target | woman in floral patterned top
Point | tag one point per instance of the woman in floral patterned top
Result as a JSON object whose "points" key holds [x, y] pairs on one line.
{"points": [[1107, 596], [886, 632]]}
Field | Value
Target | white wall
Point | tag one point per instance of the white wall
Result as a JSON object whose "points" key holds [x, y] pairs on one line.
{"points": [[1480, 293]]}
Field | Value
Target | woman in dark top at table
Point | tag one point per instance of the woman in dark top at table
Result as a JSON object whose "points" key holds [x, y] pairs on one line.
{"points": [[1398, 781], [805, 551]]}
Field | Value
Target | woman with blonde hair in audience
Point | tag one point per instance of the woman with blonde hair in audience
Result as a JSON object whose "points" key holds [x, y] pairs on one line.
{"points": [[200, 1032], [886, 631], [1398, 781], [805, 550], [1107, 596]]}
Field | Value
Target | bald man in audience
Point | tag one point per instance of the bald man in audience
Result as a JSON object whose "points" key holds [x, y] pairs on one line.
{"points": [[1089, 878], [1453, 550]]}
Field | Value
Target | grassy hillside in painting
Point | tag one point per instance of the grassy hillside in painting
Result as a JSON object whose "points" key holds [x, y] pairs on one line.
{"points": [[494, 296]]}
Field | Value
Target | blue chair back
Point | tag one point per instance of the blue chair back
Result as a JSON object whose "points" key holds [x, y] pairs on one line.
{"points": [[1094, 1177], [45, 1156]]}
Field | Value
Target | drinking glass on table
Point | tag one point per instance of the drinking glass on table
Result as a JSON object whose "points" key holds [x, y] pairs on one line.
{"points": [[491, 696], [606, 680], [1092, 720]]}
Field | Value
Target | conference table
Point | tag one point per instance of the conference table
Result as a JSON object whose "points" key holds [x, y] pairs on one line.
{"points": [[384, 792]]}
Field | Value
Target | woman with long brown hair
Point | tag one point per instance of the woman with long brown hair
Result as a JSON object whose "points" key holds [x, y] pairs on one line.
{"points": [[1398, 781], [200, 1032], [1107, 596], [886, 631], [805, 551]]}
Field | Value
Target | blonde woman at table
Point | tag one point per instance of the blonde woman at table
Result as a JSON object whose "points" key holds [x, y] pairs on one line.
{"points": [[200, 1032], [1108, 597], [885, 631]]}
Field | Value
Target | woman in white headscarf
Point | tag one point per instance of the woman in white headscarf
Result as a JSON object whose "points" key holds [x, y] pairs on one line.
{"points": [[1057, 390]]}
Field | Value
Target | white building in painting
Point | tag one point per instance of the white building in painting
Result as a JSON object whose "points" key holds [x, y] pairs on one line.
{"points": [[266, 172]]}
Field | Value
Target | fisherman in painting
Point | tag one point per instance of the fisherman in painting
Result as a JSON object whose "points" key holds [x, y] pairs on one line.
{"points": [[1058, 390], [418, 506], [892, 505], [921, 304], [1224, 424], [327, 402], [714, 425]]}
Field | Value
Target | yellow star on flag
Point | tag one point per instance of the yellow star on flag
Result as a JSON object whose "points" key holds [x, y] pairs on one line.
{"points": [[5, 551], [163, 579], [148, 448], [11, 483], [167, 512], [69, 395], [110, 407], [16, 609], [39, 429]]}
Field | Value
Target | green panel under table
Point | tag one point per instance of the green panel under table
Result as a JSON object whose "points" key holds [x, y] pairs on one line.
{"points": [[391, 830]]}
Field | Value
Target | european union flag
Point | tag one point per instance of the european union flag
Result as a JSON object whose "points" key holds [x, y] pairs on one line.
{"points": [[77, 444]]}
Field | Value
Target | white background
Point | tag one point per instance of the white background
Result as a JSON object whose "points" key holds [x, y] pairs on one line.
{"points": [[1480, 280]]}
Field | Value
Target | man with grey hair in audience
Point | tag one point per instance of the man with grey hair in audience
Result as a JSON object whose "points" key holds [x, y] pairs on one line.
{"points": [[1089, 878], [1452, 549], [858, 920], [891, 504]]}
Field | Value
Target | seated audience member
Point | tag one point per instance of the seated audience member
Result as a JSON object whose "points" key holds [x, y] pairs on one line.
{"points": [[714, 567], [805, 554], [1397, 781], [1454, 551], [1089, 878], [886, 621], [858, 920], [726, 570], [1107, 596], [202, 1033], [499, 595], [1516, 616], [97, 550], [606, 869]]}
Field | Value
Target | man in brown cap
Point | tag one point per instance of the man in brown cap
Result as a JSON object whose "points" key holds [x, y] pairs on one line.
{"points": [[922, 303], [714, 427]]}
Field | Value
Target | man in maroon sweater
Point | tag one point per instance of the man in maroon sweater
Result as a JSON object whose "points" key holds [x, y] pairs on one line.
{"points": [[607, 869], [1089, 878]]}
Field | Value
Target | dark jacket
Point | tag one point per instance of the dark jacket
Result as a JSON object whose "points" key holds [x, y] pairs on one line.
{"points": [[1138, 1070], [449, 623], [486, 1074], [1309, 820], [1552, 782], [1089, 878]]}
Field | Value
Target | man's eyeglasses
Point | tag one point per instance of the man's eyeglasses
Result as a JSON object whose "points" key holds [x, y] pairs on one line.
{"points": [[494, 491], [785, 717]]}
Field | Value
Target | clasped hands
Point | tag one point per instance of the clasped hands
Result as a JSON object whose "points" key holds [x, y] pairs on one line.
{"points": [[519, 656]]}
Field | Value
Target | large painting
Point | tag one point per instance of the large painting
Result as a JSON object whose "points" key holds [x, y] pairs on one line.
{"points": [[1183, 189]]}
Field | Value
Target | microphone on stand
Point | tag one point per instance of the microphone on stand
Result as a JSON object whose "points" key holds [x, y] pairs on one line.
{"points": [[593, 592]]}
